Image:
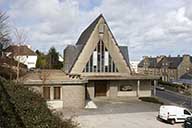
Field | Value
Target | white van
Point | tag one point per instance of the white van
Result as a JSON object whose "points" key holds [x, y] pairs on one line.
{"points": [[173, 113]]}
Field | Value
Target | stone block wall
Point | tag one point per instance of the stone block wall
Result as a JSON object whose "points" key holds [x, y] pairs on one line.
{"points": [[73, 96]]}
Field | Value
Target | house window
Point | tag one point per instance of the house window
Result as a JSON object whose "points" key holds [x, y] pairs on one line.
{"points": [[46, 93], [57, 93], [125, 88]]}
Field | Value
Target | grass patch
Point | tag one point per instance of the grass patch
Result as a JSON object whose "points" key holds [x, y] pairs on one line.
{"points": [[151, 100]]}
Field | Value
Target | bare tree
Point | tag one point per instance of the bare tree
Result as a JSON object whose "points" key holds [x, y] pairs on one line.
{"points": [[44, 75], [20, 39], [4, 32]]}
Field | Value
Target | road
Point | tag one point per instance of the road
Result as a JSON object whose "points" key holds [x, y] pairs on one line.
{"points": [[174, 97]]}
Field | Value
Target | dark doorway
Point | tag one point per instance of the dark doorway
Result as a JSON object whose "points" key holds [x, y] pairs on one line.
{"points": [[100, 88]]}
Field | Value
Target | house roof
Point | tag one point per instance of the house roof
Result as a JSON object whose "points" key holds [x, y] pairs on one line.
{"points": [[83, 40], [172, 62], [20, 50], [152, 62]]}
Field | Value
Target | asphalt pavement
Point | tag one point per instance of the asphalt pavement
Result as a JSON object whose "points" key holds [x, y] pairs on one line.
{"points": [[176, 98]]}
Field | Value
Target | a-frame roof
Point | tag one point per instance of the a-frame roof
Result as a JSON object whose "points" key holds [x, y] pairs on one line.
{"points": [[87, 32], [84, 38]]}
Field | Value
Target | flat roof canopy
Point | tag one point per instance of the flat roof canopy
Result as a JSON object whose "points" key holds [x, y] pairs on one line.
{"points": [[111, 77]]}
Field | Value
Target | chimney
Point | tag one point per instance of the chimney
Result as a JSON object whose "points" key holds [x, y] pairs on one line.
{"points": [[145, 57], [159, 58], [29, 46], [186, 58], [178, 55]]}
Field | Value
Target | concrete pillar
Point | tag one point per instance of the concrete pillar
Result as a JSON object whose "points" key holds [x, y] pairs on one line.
{"points": [[91, 90], [154, 87], [51, 93], [138, 87], [113, 89]]}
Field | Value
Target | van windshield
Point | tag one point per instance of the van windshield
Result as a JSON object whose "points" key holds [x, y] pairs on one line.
{"points": [[186, 112]]}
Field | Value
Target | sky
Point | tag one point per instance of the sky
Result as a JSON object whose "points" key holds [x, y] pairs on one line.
{"points": [[147, 27]]}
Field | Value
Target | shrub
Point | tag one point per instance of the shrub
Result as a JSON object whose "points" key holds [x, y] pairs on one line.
{"points": [[151, 99], [21, 107]]}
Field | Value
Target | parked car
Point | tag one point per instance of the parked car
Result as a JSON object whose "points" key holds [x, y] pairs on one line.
{"points": [[173, 114], [188, 122], [160, 87]]}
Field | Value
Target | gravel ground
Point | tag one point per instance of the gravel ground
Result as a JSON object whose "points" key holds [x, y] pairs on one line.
{"points": [[119, 113], [126, 120]]}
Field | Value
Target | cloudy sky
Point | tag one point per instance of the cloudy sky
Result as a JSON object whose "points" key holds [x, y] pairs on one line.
{"points": [[148, 27]]}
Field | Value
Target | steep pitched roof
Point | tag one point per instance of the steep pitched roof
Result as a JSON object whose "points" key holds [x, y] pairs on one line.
{"points": [[83, 40], [152, 62], [87, 32], [173, 62], [125, 53], [20, 50]]}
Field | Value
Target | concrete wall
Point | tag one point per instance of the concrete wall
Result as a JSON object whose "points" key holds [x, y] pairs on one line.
{"points": [[73, 96], [110, 44], [113, 88], [128, 93]]}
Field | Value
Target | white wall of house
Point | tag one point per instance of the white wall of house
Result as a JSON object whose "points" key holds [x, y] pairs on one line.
{"points": [[134, 65], [30, 61]]}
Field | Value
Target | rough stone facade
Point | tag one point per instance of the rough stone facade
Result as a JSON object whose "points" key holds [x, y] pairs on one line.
{"points": [[169, 68]]}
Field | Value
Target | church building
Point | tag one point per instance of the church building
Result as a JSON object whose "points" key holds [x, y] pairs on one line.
{"points": [[99, 59]]}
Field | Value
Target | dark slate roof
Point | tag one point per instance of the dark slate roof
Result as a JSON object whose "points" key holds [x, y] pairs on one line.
{"points": [[173, 62], [125, 53], [81, 43], [20, 50], [87, 32], [84, 38], [187, 75], [152, 62], [72, 52]]}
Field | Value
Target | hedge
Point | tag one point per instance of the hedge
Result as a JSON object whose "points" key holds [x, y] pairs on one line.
{"points": [[22, 108]]}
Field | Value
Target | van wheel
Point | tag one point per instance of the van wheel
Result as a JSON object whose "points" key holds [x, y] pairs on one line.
{"points": [[172, 121]]}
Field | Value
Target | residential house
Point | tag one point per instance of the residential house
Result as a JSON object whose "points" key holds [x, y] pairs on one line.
{"points": [[169, 68], [134, 66], [22, 53]]}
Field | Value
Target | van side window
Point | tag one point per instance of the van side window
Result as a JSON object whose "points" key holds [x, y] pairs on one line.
{"points": [[186, 112]]}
